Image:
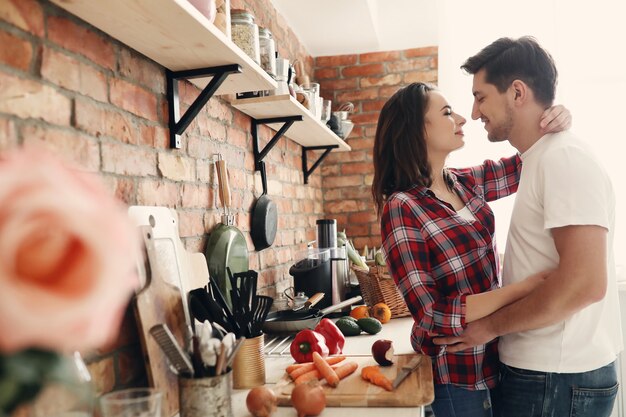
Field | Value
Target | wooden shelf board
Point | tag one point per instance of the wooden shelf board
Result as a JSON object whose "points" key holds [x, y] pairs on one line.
{"points": [[308, 132], [174, 34]]}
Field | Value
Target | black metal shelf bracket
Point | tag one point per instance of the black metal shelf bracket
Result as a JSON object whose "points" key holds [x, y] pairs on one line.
{"points": [[305, 170], [259, 154], [179, 124]]}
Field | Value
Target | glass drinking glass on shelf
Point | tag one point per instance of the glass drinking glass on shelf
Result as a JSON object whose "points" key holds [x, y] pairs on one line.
{"points": [[319, 104], [313, 92], [132, 402], [326, 106], [267, 51]]}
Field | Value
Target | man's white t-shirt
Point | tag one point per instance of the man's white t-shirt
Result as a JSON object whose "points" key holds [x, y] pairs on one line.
{"points": [[562, 184]]}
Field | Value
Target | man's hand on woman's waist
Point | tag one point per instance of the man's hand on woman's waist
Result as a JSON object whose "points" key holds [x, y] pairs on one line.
{"points": [[476, 333]]}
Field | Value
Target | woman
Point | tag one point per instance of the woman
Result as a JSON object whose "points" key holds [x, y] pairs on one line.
{"points": [[438, 237]]}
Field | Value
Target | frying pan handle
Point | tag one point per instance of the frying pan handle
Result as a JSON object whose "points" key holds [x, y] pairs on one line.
{"points": [[342, 304], [263, 177], [315, 298], [222, 180]]}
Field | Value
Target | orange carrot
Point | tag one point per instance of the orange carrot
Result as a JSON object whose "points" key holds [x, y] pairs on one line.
{"points": [[295, 366], [326, 371], [307, 367], [346, 369], [373, 375], [342, 371], [332, 360], [314, 374]]}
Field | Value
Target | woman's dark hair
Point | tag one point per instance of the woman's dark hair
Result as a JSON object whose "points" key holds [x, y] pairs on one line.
{"points": [[400, 154], [506, 60]]}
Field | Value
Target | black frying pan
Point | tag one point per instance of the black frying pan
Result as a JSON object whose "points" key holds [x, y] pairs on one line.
{"points": [[289, 321], [264, 218]]}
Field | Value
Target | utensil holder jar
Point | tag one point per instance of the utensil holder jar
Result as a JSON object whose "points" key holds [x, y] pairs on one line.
{"points": [[206, 397], [249, 364]]}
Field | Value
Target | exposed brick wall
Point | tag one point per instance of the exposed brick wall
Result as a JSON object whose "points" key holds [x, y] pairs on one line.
{"points": [[102, 105], [366, 80]]}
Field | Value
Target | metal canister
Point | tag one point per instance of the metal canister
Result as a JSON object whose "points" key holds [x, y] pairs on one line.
{"points": [[249, 364], [203, 397]]}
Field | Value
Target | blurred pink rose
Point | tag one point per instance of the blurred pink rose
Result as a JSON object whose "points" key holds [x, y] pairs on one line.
{"points": [[67, 256]]}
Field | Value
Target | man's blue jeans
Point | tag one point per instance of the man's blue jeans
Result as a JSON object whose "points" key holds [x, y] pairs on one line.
{"points": [[524, 393], [451, 401]]}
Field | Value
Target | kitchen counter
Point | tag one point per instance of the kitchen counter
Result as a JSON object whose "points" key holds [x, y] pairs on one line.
{"points": [[397, 330]]}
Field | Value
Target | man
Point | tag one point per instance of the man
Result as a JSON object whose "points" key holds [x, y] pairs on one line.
{"points": [[558, 345]]}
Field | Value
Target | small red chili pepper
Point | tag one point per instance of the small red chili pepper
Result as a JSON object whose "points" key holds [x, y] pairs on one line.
{"points": [[305, 343]]}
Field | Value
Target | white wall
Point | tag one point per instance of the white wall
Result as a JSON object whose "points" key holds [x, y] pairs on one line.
{"points": [[587, 44]]}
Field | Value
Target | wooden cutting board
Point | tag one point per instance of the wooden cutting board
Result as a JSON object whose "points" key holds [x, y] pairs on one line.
{"points": [[169, 274], [171, 258], [417, 389], [159, 302]]}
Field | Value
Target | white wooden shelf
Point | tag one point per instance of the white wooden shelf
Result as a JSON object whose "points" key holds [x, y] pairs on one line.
{"points": [[308, 132], [174, 34]]}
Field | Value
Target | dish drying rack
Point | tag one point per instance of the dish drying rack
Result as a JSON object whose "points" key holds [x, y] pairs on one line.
{"points": [[277, 345]]}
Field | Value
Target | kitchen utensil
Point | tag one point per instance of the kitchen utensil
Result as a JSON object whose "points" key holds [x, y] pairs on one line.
{"points": [[198, 309], [172, 350], [282, 76], [288, 321], [159, 302], [199, 368], [348, 107], [262, 306], [226, 246], [221, 360], [406, 370], [216, 312], [217, 295], [353, 391], [264, 217], [243, 293], [297, 299], [315, 298], [171, 261]]}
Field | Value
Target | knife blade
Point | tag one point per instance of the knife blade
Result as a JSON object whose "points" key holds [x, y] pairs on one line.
{"points": [[406, 370]]}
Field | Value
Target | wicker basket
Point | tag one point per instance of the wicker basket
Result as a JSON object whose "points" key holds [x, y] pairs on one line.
{"points": [[377, 286]]}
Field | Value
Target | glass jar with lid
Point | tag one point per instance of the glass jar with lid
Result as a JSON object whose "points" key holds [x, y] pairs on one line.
{"points": [[245, 33], [268, 51], [222, 16]]}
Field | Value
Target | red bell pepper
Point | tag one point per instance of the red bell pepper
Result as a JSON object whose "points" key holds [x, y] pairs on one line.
{"points": [[334, 338], [305, 343]]}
